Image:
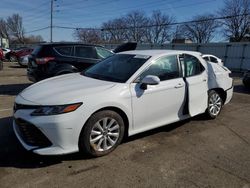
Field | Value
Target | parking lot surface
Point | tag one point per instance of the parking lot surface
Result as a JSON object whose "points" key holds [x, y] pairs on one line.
{"points": [[191, 153]]}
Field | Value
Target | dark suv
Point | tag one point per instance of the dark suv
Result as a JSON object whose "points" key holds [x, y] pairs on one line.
{"points": [[52, 59]]}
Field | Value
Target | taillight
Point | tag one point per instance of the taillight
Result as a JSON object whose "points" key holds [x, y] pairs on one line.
{"points": [[44, 60]]}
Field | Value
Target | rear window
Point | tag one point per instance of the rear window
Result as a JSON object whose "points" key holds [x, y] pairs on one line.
{"points": [[42, 51], [36, 50]]}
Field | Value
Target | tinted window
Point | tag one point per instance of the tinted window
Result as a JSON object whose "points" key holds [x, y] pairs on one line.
{"points": [[43, 51], [85, 52], [192, 66], [117, 68], [103, 53], [64, 50], [165, 68], [214, 60]]}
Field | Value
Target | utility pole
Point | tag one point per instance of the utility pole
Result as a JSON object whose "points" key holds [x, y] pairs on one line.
{"points": [[51, 20]]}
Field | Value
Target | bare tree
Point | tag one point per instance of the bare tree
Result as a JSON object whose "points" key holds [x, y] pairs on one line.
{"points": [[136, 22], [33, 39], [115, 30], [4, 31], [91, 36], [237, 25], [201, 29], [159, 30], [15, 25]]}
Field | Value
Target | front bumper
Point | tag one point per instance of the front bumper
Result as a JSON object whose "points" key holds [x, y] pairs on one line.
{"points": [[62, 131]]}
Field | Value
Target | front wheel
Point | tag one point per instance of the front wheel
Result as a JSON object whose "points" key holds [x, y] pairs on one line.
{"points": [[102, 133], [215, 104], [13, 58]]}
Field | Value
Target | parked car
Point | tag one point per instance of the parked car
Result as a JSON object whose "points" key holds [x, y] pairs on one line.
{"points": [[53, 59], [125, 94], [1, 59], [23, 61], [14, 55], [5, 51], [213, 59], [1, 54], [246, 79]]}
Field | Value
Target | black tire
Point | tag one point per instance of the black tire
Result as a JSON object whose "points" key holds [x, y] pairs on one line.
{"points": [[13, 58], [85, 145], [209, 112]]}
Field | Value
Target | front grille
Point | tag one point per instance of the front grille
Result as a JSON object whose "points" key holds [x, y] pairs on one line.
{"points": [[31, 135], [23, 106]]}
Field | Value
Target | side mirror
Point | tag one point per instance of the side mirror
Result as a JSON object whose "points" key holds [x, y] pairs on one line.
{"points": [[149, 80]]}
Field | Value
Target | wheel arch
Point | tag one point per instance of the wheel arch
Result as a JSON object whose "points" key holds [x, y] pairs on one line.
{"points": [[115, 109], [121, 113], [221, 92]]}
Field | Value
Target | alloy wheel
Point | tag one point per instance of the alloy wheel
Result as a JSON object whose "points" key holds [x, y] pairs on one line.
{"points": [[104, 134], [215, 104]]}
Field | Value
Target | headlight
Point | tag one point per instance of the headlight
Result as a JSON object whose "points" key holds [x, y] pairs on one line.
{"points": [[54, 110]]}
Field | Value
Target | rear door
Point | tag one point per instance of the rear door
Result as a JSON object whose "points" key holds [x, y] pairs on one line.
{"points": [[197, 84]]}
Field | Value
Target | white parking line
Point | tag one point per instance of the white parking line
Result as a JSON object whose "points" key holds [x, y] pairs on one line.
{"points": [[6, 109]]}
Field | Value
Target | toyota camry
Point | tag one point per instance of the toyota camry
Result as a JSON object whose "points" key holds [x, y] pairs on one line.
{"points": [[125, 94]]}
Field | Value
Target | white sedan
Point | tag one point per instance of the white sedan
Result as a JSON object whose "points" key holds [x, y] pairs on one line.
{"points": [[125, 94]]}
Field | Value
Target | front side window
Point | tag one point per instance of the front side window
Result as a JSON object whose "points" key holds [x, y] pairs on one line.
{"points": [[165, 68], [116, 68], [103, 53], [192, 65], [85, 52]]}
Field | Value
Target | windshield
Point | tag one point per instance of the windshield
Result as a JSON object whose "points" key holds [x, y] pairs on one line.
{"points": [[117, 68]]}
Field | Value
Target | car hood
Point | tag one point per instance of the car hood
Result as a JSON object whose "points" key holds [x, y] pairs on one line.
{"points": [[64, 89]]}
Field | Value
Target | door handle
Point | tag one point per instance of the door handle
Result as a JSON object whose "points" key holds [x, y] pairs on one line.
{"points": [[204, 79], [179, 85]]}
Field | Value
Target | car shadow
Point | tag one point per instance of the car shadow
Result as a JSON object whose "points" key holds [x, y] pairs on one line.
{"points": [[12, 89], [12, 154], [18, 66]]}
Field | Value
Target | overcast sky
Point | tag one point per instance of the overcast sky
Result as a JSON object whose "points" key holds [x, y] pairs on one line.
{"points": [[92, 13]]}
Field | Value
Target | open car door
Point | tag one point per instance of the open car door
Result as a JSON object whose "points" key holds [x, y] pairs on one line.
{"points": [[196, 80]]}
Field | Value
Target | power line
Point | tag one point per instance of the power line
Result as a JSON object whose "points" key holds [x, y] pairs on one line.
{"points": [[155, 25], [40, 29], [121, 10]]}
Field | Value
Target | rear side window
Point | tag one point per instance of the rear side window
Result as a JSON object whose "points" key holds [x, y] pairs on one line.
{"points": [[192, 65], [64, 50], [165, 68], [85, 52], [103, 53]]}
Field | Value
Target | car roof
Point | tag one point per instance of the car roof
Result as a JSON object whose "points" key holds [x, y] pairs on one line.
{"points": [[68, 43], [159, 52]]}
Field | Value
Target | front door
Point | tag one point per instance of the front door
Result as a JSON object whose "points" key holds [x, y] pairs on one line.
{"points": [[159, 104]]}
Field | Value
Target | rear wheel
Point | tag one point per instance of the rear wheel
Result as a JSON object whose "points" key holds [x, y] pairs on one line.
{"points": [[102, 133], [215, 104]]}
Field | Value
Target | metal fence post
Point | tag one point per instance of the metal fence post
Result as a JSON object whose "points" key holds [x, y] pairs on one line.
{"points": [[242, 56]]}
